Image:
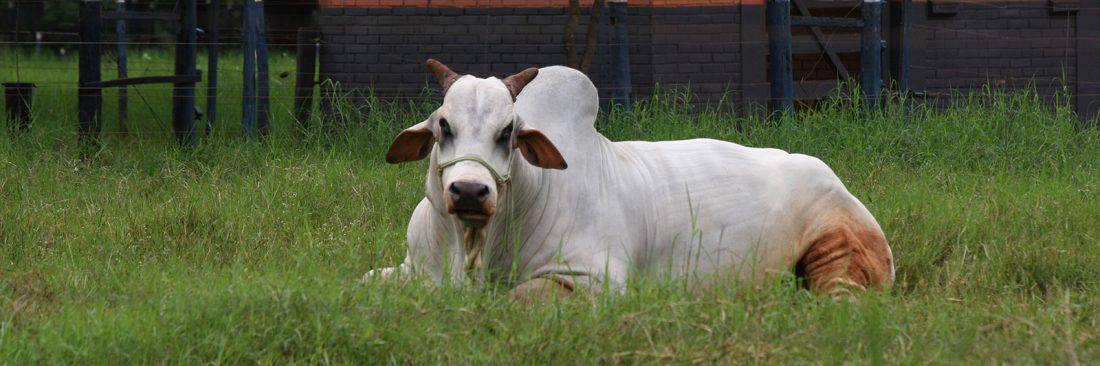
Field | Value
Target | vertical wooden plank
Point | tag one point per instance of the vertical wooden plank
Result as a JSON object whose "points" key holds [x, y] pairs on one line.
{"points": [[212, 38], [248, 96], [120, 31], [183, 94], [779, 55], [621, 51], [900, 27], [754, 91], [870, 51], [263, 80], [917, 39], [306, 76], [90, 100], [904, 46], [1088, 71], [819, 39]]}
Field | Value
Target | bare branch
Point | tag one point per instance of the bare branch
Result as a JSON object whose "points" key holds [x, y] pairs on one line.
{"points": [[592, 37], [569, 39]]}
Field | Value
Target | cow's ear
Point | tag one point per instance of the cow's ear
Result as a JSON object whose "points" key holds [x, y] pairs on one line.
{"points": [[414, 143], [538, 150], [517, 81]]}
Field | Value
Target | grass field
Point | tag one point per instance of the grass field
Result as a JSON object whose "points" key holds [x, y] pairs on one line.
{"points": [[242, 252]]}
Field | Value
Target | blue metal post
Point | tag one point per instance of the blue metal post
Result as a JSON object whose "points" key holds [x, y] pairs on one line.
{"points": [[779, 57], [263, 89], [621, 50], [183, 95], [90, 99], [248, 99], [212, 39], [870, 52], [120, 30]]}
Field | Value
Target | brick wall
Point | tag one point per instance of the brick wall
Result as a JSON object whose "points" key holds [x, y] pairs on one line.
{"points": [[718, 48], [384, 48], [1009, 43], [697, 47]]}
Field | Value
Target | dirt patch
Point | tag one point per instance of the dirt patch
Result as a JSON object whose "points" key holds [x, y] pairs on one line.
{"points": [[26, 294]]}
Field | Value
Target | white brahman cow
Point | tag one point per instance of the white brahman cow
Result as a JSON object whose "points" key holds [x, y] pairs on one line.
{"points": [[502, 205]]}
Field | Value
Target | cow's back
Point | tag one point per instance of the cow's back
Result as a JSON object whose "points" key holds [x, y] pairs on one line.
{"points": [[715, 205]]}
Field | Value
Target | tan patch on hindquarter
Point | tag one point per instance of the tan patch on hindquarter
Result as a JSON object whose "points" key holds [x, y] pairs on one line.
{"points": [[542, 289], [858, 259]]}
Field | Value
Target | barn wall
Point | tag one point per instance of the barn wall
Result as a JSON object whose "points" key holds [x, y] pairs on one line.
{"points": [[383, 48], [715, 47], [697, 47], [1007, 43]]}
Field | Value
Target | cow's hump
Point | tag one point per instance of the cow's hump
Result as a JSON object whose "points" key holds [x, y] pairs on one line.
{"points": [[560, 101]]}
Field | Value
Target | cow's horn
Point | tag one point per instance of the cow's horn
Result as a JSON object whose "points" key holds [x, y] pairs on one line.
{"points": [[517, 81], [443, 74]]}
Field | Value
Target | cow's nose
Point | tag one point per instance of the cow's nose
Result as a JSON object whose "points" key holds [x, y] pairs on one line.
{"points": [[468, 195]]}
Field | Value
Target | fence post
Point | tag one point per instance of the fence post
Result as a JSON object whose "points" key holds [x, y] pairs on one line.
{"points": [[183, 94], [120, 31], [248, 99], [306, 76], [263, 89], [621, 48], [1087, 96], [90, 99], [870, 52], [900, 20], [18, 98], [212, 37], [779, 48]]}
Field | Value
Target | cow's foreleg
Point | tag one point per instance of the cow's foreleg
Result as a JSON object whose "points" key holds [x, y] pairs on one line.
{"points": [[385, 273], [843, 259], [542, 289]]}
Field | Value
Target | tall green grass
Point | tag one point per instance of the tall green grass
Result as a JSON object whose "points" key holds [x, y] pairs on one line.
{"points": [[241, 251]]}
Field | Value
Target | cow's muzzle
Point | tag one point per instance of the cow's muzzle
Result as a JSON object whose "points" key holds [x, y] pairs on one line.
{"points": [[469, 201]]}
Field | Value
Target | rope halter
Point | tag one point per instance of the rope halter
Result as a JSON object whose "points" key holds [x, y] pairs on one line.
{"points": [[474, 241], [501, 180]]}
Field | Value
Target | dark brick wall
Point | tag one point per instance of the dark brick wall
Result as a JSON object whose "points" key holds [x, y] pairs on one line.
{"points": [[383, 49], [697, 47], [715, 50], [1014, 44]]}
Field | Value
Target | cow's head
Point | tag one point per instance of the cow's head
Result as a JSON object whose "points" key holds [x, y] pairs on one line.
{"points": [[476, 133]]}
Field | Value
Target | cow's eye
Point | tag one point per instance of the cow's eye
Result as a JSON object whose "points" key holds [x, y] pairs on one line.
{"points": [[445, 127], [506, 134]]}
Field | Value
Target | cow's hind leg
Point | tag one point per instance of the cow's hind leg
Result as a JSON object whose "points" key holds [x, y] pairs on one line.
{"points": [[843, 259]]}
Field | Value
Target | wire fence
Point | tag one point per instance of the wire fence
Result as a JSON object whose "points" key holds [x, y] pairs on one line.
{"points": [[32, 61]]}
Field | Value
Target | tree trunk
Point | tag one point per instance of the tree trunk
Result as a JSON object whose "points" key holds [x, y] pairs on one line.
{"points": [[569, 39], [592, 38], [591, 35]]}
